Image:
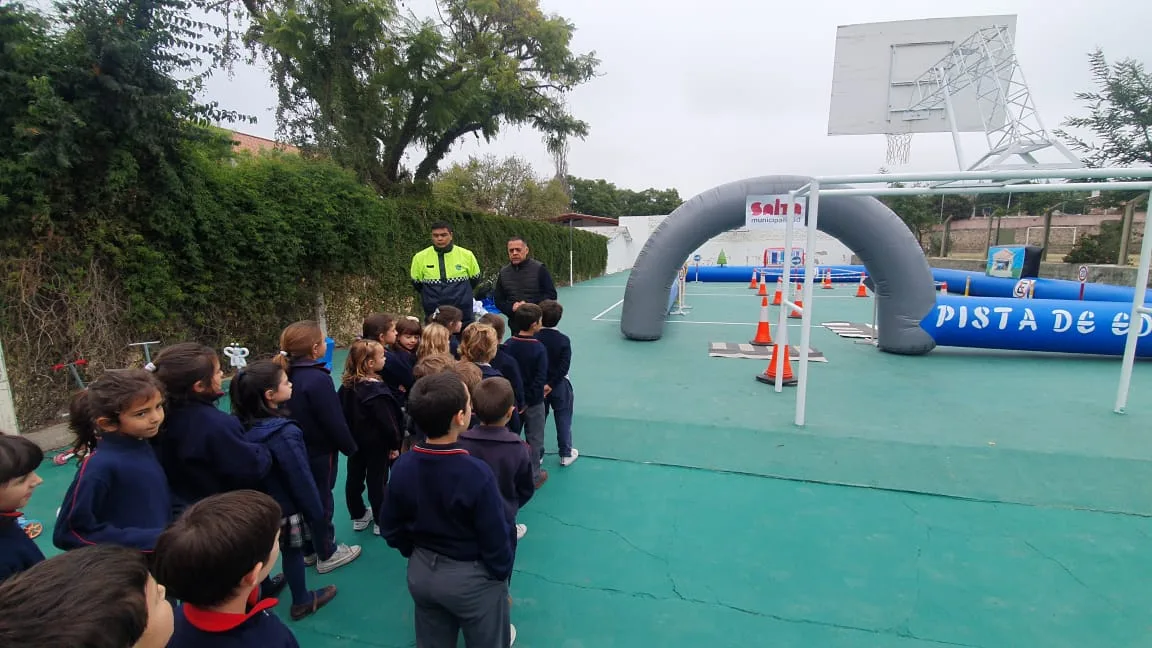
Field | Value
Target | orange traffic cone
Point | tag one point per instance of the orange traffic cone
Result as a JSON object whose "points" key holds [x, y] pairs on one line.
{"points": [[862, 290], [763, 332], [795, 314], [943, 287], [827, 283], [753, 283], [769, 375], [779, 296], [763, 292]]}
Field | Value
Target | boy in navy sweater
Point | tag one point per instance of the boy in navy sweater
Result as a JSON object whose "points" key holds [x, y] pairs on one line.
{"points": [[443, 511], [493, 443], [19, 459], [532, 359], [213, 559], [508, 368], [560, 397]]}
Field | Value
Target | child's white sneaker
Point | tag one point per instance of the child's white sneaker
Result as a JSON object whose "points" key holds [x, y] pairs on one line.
{"points": [[571, 459], [521, 531], [375, 529], [309, 560], [342, 556], [362, 522], [513, 634]]}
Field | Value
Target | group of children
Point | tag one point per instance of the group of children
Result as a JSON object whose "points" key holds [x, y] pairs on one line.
{"points": [[176, 499]]}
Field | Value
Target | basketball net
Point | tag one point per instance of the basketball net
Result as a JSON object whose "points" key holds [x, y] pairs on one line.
{"points": [[899, 146]]}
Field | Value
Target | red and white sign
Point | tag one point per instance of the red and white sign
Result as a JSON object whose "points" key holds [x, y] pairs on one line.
{"points": [[771, 212]]}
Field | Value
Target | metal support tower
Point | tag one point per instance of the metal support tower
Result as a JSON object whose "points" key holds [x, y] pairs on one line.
{"points": [[986, 62]]}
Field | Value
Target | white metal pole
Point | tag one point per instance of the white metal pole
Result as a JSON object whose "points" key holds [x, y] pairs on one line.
{"points": [[1136, 320], [951, 113], [785, 281], [8, 422], [571, 269], [806, 314]]}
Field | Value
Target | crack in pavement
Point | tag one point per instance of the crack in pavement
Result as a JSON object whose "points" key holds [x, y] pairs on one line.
{"points": [[1074, 577], [763, 615]]}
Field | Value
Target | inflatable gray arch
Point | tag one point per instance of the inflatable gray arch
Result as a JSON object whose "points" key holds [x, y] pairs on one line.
{"points": [[897, 269]]}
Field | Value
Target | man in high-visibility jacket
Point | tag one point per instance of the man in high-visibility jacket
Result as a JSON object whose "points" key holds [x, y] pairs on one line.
{"points": [[445, 274]]}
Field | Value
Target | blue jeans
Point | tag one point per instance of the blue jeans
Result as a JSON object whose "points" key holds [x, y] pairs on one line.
{"points": [[562, 401]]}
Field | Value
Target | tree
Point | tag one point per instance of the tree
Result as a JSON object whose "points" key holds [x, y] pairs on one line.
{"points": [[602, 198], [361, 82], [1119, 114], [722, 259], [506, 187]]}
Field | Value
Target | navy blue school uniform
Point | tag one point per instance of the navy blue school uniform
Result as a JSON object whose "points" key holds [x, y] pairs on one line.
{"points": [[507, 455], [509, 369], [397, 372], [454, 346], [17, 551], [288, 482], [559, 349], [488, 371], [119, 496], [315, 406], [443, 500], [203, 452], [194, 627], [532, 359], [377, 424]]}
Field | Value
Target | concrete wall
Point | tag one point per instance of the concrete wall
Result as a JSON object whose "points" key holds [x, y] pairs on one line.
{"points": [[740, 246], [972, 235]]}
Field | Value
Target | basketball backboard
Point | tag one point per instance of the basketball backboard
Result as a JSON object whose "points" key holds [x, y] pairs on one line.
{"points": [[877, 66]]}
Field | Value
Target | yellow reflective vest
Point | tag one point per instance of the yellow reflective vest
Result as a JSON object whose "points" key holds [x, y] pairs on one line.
{"points": [[445, 277]]}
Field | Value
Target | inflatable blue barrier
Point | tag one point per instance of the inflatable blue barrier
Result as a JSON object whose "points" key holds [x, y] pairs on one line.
{"points": [[1057, 326], [743, 274], [331, 346], [984, 286]]}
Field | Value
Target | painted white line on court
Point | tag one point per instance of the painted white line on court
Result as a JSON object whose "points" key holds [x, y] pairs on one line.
{"points": [[606, 311]]}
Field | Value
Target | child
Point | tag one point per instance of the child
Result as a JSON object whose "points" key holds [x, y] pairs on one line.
{"points": [[212, 559], [258, 394], [429, 366], [532, 359], [316, 408], [479, 344], [561, 398], [494, 444], [201, 448], [443, 511], [435, 339], [508, 368], [94, 597], [377, 424], [19, 459], [401, 357], [471, 375], [451, 318], [120, 493]]}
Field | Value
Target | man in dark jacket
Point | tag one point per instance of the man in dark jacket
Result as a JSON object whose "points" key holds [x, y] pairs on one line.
{"points": [[522, 281]]}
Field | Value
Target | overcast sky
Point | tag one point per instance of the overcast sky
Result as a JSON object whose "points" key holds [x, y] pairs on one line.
{"points": [[696, 94]]}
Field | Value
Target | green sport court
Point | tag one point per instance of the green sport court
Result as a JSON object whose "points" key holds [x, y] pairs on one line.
{"points": [[961, 498]]}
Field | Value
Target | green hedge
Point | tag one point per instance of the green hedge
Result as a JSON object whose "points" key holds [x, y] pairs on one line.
{"points": [[236, 248]]}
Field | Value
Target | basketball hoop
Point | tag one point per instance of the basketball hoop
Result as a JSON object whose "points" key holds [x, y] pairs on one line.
{"points": [[899, 146]]}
